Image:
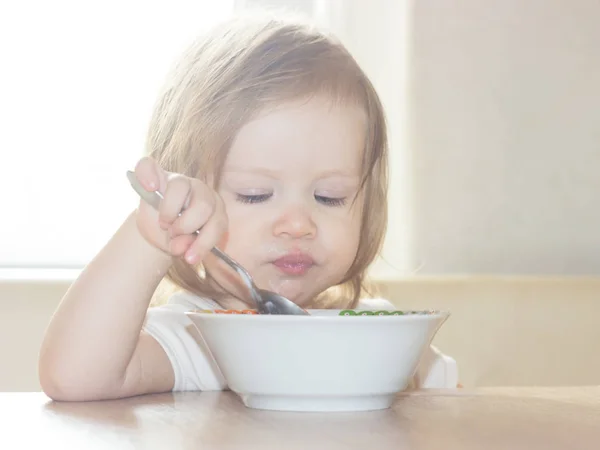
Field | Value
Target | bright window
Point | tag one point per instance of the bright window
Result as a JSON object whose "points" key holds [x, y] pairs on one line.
{"points": [[77, 84]]}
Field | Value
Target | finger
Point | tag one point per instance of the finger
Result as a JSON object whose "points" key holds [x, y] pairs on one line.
{"points": [[180, 244], [200, 208], [174, 199], [149, 174], [210, 235]]}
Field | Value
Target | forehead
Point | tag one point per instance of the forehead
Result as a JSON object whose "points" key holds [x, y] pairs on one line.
{"points": [[315, 134]]}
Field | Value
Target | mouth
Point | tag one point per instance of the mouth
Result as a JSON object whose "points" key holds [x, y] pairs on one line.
{"points": [[294, 264]]}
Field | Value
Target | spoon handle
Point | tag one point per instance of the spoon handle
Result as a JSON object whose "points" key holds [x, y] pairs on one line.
{"points": [[235, 266]]}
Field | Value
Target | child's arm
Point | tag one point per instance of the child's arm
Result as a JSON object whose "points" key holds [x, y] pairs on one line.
{"points": [[93, 348]]}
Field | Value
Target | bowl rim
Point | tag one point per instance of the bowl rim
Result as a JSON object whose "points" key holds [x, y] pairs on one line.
{"points": [[431, 315]]}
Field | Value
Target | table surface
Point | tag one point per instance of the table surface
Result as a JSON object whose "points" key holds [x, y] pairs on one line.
{"points": [[491, 418]]}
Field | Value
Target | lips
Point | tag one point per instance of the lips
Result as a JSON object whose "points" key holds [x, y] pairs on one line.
{"points": [[294, 264]]}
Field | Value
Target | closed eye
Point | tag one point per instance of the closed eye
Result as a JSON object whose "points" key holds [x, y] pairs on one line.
{"points": [[260, 198], [331, 201]]}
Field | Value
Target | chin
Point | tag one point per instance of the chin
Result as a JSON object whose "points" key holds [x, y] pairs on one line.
{"points": [[294, 289]]}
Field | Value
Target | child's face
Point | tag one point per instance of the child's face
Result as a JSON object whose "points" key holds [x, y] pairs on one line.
{"points": [[288, 184]]}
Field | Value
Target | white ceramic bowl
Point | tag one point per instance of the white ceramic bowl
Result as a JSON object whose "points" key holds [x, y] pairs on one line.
{"points": [[322, 362]]}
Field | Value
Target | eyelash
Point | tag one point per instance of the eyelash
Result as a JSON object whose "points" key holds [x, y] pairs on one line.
{"points": [[253, 198], [328, 201], [331, 201]]}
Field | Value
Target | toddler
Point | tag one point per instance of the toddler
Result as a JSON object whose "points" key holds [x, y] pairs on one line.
{"points": [[272, 141]]}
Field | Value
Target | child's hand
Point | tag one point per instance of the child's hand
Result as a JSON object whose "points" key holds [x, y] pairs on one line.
{"points": [[200, 207]]}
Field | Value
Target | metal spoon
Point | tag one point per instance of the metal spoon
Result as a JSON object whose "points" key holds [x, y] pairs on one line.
{"points": [[267, 302]]}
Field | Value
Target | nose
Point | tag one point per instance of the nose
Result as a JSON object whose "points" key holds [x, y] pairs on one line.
{"points": [[295, 222]]}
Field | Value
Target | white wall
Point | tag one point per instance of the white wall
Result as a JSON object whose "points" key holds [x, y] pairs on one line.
{"points": [[25, 309], [504, 138]]}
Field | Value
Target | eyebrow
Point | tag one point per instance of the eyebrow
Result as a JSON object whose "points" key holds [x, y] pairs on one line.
{"points": [[272, 173], [254, 170]]}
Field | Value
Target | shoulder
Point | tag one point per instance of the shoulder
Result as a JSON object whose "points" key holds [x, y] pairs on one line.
{"points": [[183, 301], [170, 319], [436, 370]]}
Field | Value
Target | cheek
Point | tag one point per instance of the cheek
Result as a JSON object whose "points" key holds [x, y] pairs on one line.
{"points": [[241, 241], [352, 232], [342, 241], [238, 230]]}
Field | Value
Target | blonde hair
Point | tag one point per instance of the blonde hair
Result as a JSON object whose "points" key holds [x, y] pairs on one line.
{"points": [[232, 73]]}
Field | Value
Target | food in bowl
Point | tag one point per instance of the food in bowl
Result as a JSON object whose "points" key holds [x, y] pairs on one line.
{"points": [[331, 360], [344, 312]]}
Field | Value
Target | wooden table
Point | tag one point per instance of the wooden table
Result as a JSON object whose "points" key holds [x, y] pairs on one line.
{"points": [[515, 418]]}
